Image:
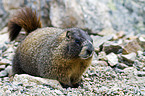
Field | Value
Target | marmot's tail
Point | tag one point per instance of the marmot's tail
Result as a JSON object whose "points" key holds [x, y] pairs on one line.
{"points": [[25, 18]]}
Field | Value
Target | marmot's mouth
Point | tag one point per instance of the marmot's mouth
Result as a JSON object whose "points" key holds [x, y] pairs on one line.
{"points": [[86, 52], [87, 56]]}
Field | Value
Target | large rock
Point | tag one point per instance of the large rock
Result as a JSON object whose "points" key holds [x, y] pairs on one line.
{"points": [[96, 15], [41, 6], [29, 80], [75, 13], [9, 5], [3, 16]]}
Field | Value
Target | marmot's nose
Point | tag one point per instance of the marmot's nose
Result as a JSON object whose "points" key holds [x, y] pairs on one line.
{"points": [[90, 49], [87, 50]]}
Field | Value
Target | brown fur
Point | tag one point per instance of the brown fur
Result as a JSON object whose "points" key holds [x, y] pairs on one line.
{"points": [[54, 53], [27, 19]]}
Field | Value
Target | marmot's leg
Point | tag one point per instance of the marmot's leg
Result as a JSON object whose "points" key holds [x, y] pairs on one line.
{"points": [[65, 82], [75, 80], [64, 79]]}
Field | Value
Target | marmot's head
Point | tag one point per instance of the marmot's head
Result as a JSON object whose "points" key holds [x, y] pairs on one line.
{"points": [[78, 44]]}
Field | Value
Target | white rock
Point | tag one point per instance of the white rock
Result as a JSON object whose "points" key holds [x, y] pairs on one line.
{"points": [[112, 59], [28, 80], [4, 38], [3, 73], [130, 57], [4, 30]]}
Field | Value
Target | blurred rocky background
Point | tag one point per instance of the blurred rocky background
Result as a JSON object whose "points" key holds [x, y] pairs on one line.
{"points": [[94, 15], [118, 30]]}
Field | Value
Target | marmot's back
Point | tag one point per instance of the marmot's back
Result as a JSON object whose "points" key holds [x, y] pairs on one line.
{"points": [[36, 45], [60, 54]]}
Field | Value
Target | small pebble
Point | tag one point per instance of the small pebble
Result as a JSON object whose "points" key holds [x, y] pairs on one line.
{"points": [[2, 67]]}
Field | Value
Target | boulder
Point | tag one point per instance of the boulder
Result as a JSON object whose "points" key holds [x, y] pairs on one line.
{"points": [[3, 15], [90, 14]]}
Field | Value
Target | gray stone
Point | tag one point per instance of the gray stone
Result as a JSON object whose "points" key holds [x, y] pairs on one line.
{"points": [[119, 70], [119, 35], [3, 38], [28, 80], [109, 47], [131, 71], [132, 46], [139, 65], [102, 56], [9, 53], [99, 63], [98, 40], [9, 56], [5, 61], [143, 68], [121, 66], [16, 4], [95, 57], [141, 73], [141, 41], [3, 15], [2, 67], [8, 69], [6, 78], [144, 53], [58, 92], [4, 30], [129, 58], [107, 31], [3, 73], [112, 59], [9, 50], [140, 53], [3, 48]]}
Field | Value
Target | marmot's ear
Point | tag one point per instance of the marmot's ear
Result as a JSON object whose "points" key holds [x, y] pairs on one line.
{"points": [[68, 35]]}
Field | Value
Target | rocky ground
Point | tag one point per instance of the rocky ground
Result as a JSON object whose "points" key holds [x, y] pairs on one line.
{"points": [[118, 68]]}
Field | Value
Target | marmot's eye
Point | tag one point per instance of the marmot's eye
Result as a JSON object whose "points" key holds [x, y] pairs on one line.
{"points": [[77, 41]]}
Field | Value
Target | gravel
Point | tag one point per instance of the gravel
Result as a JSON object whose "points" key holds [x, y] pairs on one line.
{"points": [[100, 78]]}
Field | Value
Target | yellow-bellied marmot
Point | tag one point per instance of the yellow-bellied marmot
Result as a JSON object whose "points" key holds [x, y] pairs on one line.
{"points": [[54, 53]]}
